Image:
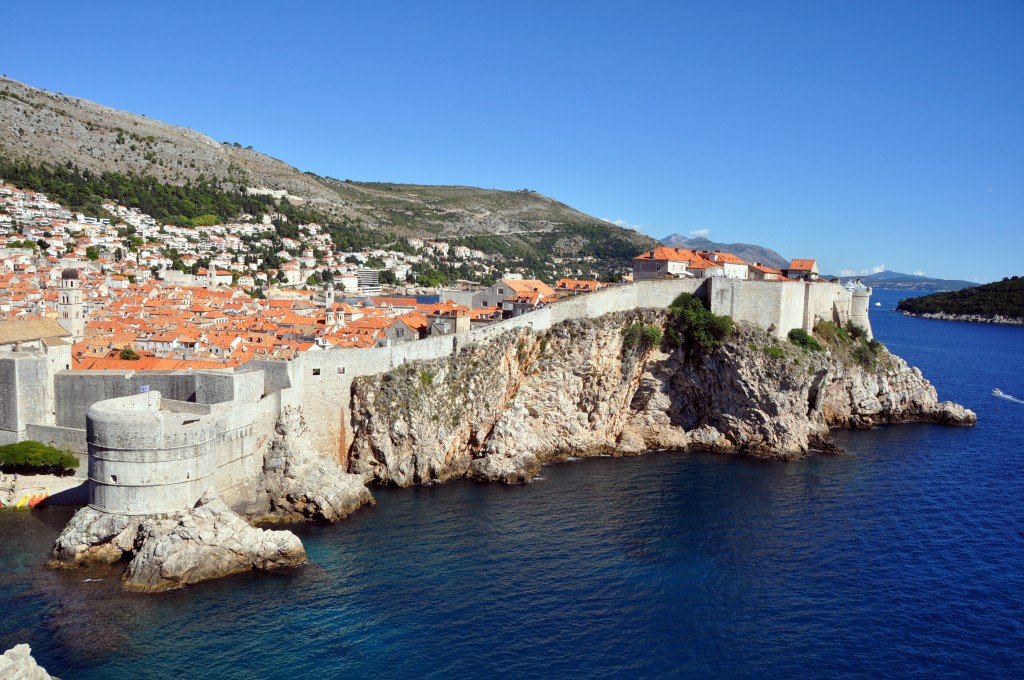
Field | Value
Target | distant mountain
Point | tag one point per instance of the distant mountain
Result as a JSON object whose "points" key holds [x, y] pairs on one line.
{"points": [[888, 280], [1001, 302], [745, 251], [53, 130]]}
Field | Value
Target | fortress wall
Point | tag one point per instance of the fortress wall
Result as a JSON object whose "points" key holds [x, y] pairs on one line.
{"points": [[828, 302], [9, 414], [791, 311], [65, 438], [23, 394], [143, 460], [217, 386], [58, 358], [214, 386], [757, 302], [244, 431], [277, 375], [77, 390]]}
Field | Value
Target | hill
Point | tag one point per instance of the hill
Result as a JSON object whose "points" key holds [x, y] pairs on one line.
{"points": [[1002, 301], [51, 130], [746, 251], [889, 280]]}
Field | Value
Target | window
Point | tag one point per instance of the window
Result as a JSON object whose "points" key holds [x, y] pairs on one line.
{"points": [[316, 371], [341, 370]]}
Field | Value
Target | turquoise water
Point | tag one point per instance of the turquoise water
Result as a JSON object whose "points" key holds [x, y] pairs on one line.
{"points": [[904, 558]]}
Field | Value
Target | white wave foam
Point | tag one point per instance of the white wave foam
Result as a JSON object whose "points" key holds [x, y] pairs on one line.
{"points": [[1009, 397]]}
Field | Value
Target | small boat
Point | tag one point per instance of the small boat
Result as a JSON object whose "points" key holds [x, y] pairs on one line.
{"points": [[878, 304], [997, 393]]}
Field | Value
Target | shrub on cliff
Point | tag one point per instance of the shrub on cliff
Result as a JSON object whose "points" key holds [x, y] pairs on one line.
{"points": [[637, 334], [695, 325], [32, 456], [831, 333], [801, 338]]}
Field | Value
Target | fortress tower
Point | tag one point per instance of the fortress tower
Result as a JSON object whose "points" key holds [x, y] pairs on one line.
{"points": [[70, 310]]}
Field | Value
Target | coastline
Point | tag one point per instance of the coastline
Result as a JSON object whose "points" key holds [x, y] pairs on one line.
{"points": [[967, 318]]}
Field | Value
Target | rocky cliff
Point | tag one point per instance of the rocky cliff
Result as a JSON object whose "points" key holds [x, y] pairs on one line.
{"points": [[17, 664], [498, 411]]}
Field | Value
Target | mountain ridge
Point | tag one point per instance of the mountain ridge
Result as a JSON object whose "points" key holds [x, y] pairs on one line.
{"points": [[746, 251], [55, 129]]}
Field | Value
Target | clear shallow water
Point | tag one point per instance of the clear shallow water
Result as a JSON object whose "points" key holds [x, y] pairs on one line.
{"points": [[903, 559]]}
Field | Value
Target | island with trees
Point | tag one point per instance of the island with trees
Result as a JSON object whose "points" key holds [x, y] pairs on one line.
{"points": [[999, 302]]}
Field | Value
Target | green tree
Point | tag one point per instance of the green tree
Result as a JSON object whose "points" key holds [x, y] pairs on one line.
{"points": [[30, 456]]}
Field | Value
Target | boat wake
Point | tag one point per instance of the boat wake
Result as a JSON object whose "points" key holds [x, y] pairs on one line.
{"points": [[1003, 395]]}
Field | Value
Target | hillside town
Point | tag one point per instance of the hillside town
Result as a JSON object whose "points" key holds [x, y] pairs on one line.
{"points": [[140, 295]]}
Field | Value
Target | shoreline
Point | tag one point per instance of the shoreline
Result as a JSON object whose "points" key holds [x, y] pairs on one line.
{"points": [[71, 490], [966, 318]]}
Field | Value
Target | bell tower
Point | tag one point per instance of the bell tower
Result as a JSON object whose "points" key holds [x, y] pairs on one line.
{"points": [[70, 310]]}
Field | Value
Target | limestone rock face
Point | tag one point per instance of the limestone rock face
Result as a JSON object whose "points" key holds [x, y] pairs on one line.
{"points": [[17, 664], [300, 484], [170, 551], [498, 411]]}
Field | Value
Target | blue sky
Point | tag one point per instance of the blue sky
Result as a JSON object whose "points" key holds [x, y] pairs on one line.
{"points": [[866, 134]]}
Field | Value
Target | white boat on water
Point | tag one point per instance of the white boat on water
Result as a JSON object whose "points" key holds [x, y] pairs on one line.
{"points": [[878, 304], [997, 393]]}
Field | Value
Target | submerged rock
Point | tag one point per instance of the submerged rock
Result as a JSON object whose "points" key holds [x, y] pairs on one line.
{"points": [[174, 550], [17, 664]]}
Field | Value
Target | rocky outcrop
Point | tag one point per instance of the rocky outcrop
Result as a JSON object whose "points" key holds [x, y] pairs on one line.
{"points": [[299, 484], [971, 318], [174, 550], [17, 664], [213, 540], [497, 412]]}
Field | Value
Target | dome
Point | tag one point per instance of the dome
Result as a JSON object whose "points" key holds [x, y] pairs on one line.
{"points": [[69, 274]]}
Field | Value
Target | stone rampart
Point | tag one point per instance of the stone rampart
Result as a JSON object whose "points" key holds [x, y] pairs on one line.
{"points": [[147, 460], [23, 391], [160, 451], [152, 455]]}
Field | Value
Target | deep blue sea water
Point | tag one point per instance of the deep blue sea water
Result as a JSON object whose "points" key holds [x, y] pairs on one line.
{"points": [[904, 558]]}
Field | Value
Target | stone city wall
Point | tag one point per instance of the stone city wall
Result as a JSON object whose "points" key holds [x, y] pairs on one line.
{"points": [[149, 455], [77, 390], [23, 391]]}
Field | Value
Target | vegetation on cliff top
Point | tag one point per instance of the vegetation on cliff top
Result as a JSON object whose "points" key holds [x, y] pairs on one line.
{"points": [[693, 326], [1002, 298]]}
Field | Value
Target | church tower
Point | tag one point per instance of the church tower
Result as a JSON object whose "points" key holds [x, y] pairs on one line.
{"points": [[70, 310], [331, 319]]}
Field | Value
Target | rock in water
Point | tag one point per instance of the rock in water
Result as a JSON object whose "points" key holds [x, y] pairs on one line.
{"points": [[298, 483], [170, 551], [17, 664]]}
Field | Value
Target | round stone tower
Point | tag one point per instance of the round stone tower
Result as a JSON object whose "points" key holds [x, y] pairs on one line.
{"points": [[859, 310], [147, 460]]}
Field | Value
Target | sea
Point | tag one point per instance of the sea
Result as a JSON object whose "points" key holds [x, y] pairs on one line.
{"points": [[903, 558]]}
